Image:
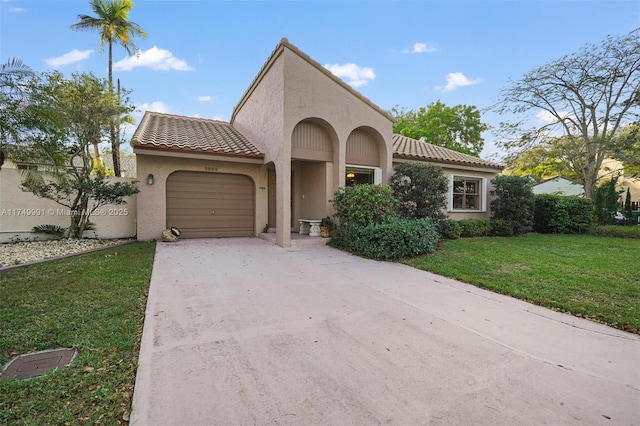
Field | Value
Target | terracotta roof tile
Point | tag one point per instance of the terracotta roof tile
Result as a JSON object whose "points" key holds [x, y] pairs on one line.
{"points": [[404, 147], [158, 130]]}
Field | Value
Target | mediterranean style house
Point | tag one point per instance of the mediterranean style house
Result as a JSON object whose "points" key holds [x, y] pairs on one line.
{"points": [[297, 134]]}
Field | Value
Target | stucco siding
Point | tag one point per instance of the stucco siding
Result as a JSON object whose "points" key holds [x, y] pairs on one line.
{"points": [[152, 201], [260, 116], [20, 211]]}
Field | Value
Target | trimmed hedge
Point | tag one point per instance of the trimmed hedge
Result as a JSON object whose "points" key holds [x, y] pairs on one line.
{"points": [[386, 241], [556, 214], [471, 228], [616, 231]]}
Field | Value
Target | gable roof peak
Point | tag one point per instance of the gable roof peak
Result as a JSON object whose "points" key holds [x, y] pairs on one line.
{"points": [[279, 49]]}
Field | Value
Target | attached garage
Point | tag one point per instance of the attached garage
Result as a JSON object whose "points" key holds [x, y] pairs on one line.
{"points": [[211, 205]]}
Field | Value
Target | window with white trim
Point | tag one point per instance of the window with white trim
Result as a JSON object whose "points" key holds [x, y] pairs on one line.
{"points": [[467, 193]]}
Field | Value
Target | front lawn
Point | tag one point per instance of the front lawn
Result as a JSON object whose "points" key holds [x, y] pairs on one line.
{"points": [[94, 303], [588, 276]]}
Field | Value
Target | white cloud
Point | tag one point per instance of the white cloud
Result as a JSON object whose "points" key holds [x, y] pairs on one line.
{"points": [[154, 58], [205, 98], [355, 75], [420, 48], [156, 106], [547, 118], [456, 80], [17, 9], [68, 58]]}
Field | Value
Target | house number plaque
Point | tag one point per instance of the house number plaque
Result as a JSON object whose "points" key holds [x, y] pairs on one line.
{"points": [[210, 169]]}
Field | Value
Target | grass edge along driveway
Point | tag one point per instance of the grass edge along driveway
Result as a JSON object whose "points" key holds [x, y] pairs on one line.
{"points": [[588, 276], [94, 303]]}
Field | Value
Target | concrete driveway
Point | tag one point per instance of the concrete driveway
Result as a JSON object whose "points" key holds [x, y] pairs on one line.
{"points": [[243, 332]]}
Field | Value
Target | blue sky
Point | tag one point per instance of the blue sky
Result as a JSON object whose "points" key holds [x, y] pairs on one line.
{"points": [[200, 56]]}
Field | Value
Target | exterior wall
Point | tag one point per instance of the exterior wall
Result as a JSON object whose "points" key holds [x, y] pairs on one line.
{"points": [[259, 117], [20, 211], [475, 172], [315, 93], [152, 203]]}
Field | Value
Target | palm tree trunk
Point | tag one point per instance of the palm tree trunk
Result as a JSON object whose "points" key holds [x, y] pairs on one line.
{"points": [[115, 148]]}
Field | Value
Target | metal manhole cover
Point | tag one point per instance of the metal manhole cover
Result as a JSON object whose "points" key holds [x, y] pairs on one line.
{"points": [[37, 363]]}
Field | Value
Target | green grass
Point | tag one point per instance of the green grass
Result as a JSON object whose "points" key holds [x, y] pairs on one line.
{"points": [[588, 276], [94, 303]]}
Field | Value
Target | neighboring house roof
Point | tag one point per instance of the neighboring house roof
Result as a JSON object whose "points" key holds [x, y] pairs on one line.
{"points": [[558, 185], [412, 149], [173, 132], [284, 43], [127, 164]]}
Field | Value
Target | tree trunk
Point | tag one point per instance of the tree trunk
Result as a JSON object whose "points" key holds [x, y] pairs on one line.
{"points": [[115, 148]]}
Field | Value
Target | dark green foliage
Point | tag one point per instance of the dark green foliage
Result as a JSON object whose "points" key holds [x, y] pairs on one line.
{"points": [[605, 199], [386, 241], [514, 202], [450, 229], [328, 223], [627, 208], [49, 229], [421, 190], [616, 231], [557, 214], [501, 228], [471, 228], [364, 204]]}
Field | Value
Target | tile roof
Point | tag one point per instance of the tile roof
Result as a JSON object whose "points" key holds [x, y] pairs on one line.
{"points": [[176, 132], [404, 147]]}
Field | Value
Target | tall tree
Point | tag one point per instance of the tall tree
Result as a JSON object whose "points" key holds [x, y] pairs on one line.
{"points": [[586, 96], [542, 162], [79, 111], [458, 128], [112, 22]]}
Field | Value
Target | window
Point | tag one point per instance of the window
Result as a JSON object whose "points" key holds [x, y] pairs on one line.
{"points": [[363, 175], [467, 193]]}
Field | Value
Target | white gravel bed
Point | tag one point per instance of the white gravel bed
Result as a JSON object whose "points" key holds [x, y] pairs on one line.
{"points": [[32, 251]]}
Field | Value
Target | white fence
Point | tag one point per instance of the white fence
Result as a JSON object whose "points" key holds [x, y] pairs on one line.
{"points": [[20, 211]]}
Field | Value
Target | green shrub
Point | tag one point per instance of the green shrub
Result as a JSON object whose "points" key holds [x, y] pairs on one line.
{"points": [[364, 204], [605, 199], [501, 228], [557, 214], [386, 241], [513, 202], [450, 229], [49, 229], [421, 190], [616, 231], [471, 228]]}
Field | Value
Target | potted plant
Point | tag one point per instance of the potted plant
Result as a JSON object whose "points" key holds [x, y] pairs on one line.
{"points": [[327, 225]]}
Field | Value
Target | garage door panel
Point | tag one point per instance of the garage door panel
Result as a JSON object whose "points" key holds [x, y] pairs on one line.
{"points": [[210, 205]]}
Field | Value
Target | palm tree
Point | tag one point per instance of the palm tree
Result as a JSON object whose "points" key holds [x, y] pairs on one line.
{"points": [[112, 22], [12, 78]]}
